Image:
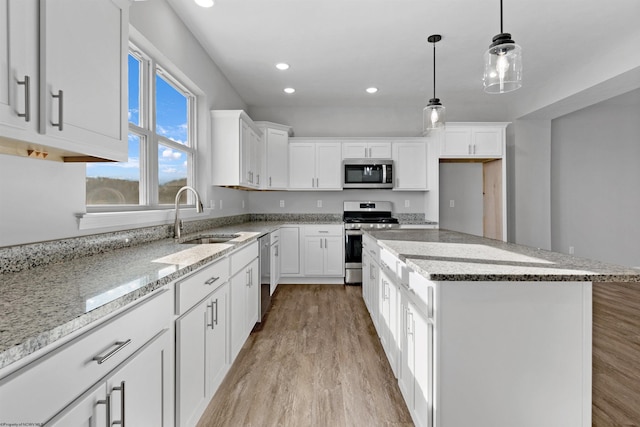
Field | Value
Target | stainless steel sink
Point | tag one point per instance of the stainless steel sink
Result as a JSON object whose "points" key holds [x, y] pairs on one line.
{"points": [[210, 238]]}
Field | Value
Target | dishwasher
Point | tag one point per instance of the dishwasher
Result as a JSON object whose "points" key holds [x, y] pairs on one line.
{"points": [[264, 243]]}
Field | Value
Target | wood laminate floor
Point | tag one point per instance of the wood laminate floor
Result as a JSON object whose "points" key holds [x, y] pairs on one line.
{"points": [[317, 361]]}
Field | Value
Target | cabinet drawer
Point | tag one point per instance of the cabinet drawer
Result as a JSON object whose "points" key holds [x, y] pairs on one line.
{"points": [[371, 247], [422, 292], [389, 263], [60, 376], [323, 230], [200, 284], [243, 257]]}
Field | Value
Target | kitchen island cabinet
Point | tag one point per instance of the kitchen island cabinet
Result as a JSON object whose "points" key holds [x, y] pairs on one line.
{"points": [[501, 330]]}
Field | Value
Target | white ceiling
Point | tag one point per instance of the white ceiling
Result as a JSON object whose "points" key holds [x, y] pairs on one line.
{"points": [[338, 48]]}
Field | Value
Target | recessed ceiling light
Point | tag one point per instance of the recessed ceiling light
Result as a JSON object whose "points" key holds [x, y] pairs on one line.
{"points": [[204, 3], [282, 66], [372, 89], [289, 90]]}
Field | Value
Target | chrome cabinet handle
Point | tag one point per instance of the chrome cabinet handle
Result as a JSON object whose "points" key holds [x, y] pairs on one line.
{"points": [[210, 306], [211, 281], [215, 318], [269, 181], [276, 250], [60, 106], [106, 402], [312, 182], [122, 404], [258, 183], [119, 346], [27, 99], [317, 182]]}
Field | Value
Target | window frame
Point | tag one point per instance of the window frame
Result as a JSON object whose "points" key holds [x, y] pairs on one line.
{"points": [[150, 140]]}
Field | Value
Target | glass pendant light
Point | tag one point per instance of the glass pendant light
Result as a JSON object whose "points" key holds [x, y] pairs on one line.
{"points": [[502, 63], [433, 115]]}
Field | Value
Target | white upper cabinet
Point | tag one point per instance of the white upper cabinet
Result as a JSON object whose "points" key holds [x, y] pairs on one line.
{"points": [[410, 165], [315, 165], [275, 160], [366, 150], [19, 66], [236, 149], [473, 141], [77, 96]]}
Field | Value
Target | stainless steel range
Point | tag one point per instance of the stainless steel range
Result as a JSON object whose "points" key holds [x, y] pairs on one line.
{"points": [[358, 216]]}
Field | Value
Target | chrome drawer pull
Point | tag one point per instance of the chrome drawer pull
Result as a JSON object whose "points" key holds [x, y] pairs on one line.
{"points": [[27, 99], [215, 318], [211, 281], [120, 345], [60, 106], [210, 325]]}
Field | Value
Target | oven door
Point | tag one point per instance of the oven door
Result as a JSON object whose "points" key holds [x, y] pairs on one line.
{"points": [[353, 256]]}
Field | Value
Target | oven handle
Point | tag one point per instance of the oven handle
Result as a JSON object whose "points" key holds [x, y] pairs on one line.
{"points": [[354, 232]]}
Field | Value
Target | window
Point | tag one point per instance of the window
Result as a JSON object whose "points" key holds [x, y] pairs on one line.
{"points": [[161, 143]]}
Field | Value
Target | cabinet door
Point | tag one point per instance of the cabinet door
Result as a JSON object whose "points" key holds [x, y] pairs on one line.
{"points": [[328, 165], [410, 170], [422, 365], [253, 296], [90, 113], [354, 150], [275, 266], [302, 165], [18, 58], [90, 410], [406, 375], [487, 142], [379, 150], [456, 142], [245, 153], [277, 154], [314, 253], [238, 293], [289, 250], [191, 393], [139, 390], [334, 256], [216, 339], [256, 159]]}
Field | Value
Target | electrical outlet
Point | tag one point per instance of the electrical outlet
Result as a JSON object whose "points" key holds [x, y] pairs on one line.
{"points": [[452, 203], [407, 203], [282, 203], [319, 203], [571, 250]]}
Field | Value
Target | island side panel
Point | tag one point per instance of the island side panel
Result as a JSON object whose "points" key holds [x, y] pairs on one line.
{"points": [[616, 354], [513, 354]]}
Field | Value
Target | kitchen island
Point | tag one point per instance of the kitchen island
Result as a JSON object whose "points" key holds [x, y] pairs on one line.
{"points": [[482, 332]]}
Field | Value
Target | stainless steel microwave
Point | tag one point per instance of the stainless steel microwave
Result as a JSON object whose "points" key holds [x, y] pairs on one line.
{"points": [[367, 173]]}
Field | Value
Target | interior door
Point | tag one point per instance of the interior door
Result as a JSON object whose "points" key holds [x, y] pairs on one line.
{"points": [[492, 199]]}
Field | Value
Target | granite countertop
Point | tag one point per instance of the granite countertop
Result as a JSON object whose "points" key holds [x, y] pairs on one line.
{"points": [[43, 304], [443, 255]]}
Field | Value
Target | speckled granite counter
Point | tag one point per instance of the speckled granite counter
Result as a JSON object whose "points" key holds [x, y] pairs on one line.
{"points": [[443, 255], [42, 304]]}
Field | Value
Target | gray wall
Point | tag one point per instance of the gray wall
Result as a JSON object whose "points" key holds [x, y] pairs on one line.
{"points": [[595, 177], [462, 183]]}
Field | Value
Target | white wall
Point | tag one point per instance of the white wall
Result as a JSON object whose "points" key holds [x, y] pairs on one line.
{"points": [[462, 183], [39, 199], [531, 183], [595, 181]]}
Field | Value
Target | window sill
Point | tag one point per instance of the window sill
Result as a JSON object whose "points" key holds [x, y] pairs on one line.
{"points": [[132, 219]]}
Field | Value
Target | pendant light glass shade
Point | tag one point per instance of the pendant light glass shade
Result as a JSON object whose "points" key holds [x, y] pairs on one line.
{"points": [[502, 66], [433, 115], [502, 63]]}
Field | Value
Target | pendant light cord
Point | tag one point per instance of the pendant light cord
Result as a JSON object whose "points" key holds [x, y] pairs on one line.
{"points": [[501, 30], [434, 69]]}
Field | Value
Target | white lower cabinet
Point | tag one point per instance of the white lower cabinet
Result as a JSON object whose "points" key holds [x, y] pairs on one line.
{"points": [[388, 320], [201, 356], [125, 361], [324, 250], [289, 250], [274, 262], [245, 298]]}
